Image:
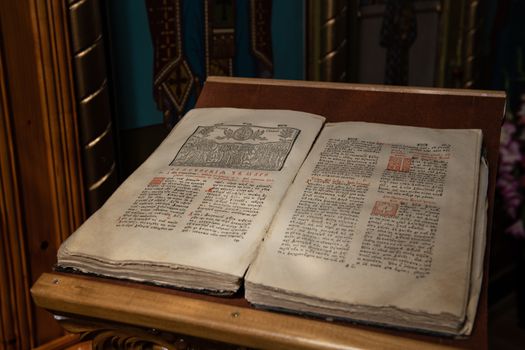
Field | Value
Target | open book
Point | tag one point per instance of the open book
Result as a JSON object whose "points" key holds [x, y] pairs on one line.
{"points": [[377, 223]]}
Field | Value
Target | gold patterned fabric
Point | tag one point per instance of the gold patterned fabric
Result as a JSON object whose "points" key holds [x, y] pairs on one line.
{"points": [[173, 78], [211, 50]]}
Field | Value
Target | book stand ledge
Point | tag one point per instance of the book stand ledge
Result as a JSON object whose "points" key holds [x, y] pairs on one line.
{"points": [[117, 314]]}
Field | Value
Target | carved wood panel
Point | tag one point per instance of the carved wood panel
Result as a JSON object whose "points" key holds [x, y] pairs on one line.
{"points": [[41, 189], [105, 335], [15, 316]]}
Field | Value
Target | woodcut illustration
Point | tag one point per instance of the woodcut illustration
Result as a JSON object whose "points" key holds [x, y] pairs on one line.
{"points": [[238, 146]]}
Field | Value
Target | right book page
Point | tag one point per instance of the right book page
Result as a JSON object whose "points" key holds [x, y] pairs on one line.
{"points": [[381, 216]]}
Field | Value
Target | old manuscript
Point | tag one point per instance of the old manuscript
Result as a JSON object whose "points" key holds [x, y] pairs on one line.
{"points": [[195, 212], [379, 226], [377, 223]]}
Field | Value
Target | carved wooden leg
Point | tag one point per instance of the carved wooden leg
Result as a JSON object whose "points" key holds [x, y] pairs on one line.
{"points": [[69, 341], [106, 335]]}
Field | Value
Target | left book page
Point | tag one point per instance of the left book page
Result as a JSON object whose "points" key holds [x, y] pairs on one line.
{"points": [[193, 215]]}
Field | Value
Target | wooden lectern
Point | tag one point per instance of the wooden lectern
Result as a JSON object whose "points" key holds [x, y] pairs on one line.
{"points": [[119, 314]]}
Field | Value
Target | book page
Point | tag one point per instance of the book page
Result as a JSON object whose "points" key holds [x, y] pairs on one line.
{"points": [[206, 196], [378, 215], [478, 247]]}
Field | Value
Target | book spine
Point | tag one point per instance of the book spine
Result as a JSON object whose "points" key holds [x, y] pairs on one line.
{"points": [[94, 111]]}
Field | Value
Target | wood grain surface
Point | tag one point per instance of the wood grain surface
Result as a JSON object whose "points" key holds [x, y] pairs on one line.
{"points": [[16, 324], [45, 169], [229, 320]]}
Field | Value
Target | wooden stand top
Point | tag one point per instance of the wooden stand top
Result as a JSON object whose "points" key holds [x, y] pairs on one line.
{"points": [[232, 319]]}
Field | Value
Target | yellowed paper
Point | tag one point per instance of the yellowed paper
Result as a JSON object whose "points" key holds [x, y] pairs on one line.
{"points": [[204, 199], [388, 214]]}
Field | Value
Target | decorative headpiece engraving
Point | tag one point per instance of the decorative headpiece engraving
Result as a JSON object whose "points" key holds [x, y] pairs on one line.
{"points": [[237, 146]]}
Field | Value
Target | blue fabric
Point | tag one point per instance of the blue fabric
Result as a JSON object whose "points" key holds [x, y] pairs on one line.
{"points": [[132, 51], [244, 62], [288, 33], [193, 42], [132, 54]]}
